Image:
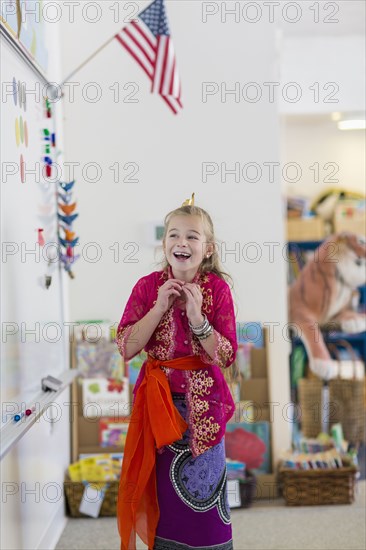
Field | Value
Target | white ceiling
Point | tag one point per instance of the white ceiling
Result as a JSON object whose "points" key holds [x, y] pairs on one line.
{"points": [[351, 19]]}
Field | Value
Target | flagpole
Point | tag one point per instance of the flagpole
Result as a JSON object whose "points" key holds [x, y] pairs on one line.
{"points": [[87, 60]]}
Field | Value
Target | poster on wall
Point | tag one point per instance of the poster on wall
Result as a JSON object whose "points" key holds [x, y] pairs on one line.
{"points": [[25, 22]]}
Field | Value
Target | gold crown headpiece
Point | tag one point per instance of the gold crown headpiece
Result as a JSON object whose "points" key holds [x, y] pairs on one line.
{"points": [[189, 202]]}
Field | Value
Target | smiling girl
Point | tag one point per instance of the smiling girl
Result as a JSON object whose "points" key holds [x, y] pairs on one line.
{"points": [[173, 483]]}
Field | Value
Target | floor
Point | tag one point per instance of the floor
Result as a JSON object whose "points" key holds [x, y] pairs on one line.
{"points": [[264, 526]]}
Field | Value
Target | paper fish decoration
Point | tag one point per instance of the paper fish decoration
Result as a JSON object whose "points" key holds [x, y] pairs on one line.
{"points": [[68, 243], [68, 219], [69, 235], [67, 186], [66, 197], [67, 208]]}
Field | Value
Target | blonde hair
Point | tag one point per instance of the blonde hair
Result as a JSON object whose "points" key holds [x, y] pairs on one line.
{"points": [[213, 263]]}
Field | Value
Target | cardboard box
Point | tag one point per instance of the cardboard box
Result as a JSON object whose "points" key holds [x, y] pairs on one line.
{"points": [[305, 229], [258, 363], [347, 217], [265, 413], [256, 390], [247, 411], [267, 487]]}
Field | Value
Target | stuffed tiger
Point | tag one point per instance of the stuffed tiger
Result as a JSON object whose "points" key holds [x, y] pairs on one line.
{"points": [[324, 294]]}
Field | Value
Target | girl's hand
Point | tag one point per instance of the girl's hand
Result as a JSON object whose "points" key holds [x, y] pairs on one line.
{"points": [[167, 293], [193, 303]]}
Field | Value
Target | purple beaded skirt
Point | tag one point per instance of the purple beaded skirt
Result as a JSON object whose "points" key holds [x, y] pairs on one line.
{"points": [[192, 496]]}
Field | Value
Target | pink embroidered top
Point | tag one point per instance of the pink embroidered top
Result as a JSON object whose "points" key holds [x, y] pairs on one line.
{"points": [[209, 401]]}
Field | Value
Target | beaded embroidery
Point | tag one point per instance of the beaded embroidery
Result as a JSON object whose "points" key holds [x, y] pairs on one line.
{"points": [[165, 333], [203, 428], [206, 411], [122, 338]]}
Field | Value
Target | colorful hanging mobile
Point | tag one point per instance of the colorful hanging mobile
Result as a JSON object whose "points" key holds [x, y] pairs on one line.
{"points": [[67, 238]]}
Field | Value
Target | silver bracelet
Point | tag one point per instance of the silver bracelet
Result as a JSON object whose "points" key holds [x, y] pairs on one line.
{"points": [[206, 334], [199, 328]]}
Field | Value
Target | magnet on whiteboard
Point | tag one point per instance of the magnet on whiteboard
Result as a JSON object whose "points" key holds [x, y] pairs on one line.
{"points": [[51, 384], [48, 281]]}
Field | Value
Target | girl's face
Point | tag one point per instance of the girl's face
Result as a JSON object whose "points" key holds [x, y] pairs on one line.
{"points": [[185, 245]]}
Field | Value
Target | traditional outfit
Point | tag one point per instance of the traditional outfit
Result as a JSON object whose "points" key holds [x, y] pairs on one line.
{"points": [[173, 482]]}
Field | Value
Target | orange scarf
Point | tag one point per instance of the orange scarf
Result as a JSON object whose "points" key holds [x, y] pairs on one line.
{"points": [[155, 422]]}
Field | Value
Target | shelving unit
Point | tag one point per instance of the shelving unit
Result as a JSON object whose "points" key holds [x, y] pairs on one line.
{"points": [[84, 431]]}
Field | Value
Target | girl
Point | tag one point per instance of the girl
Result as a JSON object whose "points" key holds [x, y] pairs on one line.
{"points": [[173, 483]]}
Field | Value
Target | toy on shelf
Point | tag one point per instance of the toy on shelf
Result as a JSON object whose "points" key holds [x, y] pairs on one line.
{"points": [[324, 294]]}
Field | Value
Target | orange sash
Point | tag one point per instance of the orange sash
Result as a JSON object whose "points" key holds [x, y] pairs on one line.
{"points": [[155, 422]]}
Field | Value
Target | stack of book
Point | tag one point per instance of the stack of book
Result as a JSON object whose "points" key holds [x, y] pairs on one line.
{"points": [[312, 461], [235, 469]]}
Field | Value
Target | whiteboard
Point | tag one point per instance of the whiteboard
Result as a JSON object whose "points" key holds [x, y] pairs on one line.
{"points": [[34, 340]]}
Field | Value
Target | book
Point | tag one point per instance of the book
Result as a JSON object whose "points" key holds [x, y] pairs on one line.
{"points": [[250, 333], [113, 432], [105, 397], [235, 469], [101, 359]]}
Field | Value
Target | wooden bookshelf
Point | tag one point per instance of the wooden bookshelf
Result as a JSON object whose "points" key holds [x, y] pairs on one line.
{"points": [[84, 430]]}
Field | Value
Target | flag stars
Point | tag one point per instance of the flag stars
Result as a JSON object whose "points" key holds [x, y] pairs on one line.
{"points": [[154, 16]]}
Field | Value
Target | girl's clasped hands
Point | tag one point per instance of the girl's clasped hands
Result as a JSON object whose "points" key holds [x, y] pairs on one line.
{"points": [[175, 288]]}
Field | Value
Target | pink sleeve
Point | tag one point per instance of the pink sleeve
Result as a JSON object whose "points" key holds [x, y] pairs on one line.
{"points": [[136, 308], [224, 329]]}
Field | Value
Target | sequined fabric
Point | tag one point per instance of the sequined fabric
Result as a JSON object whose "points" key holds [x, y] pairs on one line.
{"points": [[210, 404]]}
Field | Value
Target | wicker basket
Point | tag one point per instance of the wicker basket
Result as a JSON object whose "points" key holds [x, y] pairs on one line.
{"points": [[74, 492], [347, 402], [317, 487], [310, 399]]}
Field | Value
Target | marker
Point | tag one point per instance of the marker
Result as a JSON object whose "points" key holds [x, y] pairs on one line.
{"points": [[17, 417]]}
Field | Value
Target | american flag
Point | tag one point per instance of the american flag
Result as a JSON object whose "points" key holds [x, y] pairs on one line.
{"points": [[148, 40]]}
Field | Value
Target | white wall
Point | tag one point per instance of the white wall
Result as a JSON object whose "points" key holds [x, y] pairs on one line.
{"points": [[333, 66], [169, 152]]}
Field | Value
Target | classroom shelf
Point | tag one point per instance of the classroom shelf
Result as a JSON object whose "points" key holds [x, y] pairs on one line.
{"points": [[87, 449], [358, 341]]}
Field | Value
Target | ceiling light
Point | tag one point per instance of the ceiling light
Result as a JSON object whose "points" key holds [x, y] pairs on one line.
{"points": [[356, 124]]}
